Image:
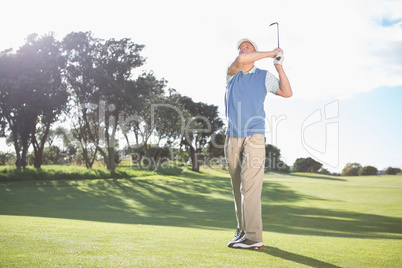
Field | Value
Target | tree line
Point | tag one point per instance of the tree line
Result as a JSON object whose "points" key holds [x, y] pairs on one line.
{"points": [[351, 169], [91, 82]]}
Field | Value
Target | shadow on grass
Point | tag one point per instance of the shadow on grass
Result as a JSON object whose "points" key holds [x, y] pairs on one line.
{"points": [[198, 200], [323, 222], [289, 256], [318, 177], [57, 173]]}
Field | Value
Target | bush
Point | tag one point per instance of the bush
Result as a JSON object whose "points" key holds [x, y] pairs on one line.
{"points": [[351, 169], [392, 171], [7, 158], [324, 171], [368, 171], [283, 167], [169, 171], [306, 165], [52, 155], [10, 173]]}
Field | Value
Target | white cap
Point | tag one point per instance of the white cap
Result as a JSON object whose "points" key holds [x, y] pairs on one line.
{"points": [[247, 40]]}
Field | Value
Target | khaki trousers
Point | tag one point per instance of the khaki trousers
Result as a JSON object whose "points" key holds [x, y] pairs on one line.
{"points": [[246, 157]]}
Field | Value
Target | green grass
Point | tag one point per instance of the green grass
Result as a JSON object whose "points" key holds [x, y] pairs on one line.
{"points": [[11, 173], [144, 219]]}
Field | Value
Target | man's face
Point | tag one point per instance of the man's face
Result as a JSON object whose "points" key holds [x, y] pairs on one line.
{"points": [[246, 47]]}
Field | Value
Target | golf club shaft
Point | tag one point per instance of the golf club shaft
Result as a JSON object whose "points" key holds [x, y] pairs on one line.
{"points": [[277, 30], [278, 56]]}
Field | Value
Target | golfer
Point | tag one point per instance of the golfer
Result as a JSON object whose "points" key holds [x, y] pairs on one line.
{"points": [[246, 89]]}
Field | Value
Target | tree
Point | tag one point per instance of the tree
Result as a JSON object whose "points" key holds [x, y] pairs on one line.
{"points": [[368, 170], [52, 155], [273, 159], [99, 74], [117, 60], [203, 124], [306, 165], [351, 169], [82, 53], [392, 171], [51, 96], [216, 144], [13, 103], [150, 114], [168, 123], [70, 143], [33, 93]]}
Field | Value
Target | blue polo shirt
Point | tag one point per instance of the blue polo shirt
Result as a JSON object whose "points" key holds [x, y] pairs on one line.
{"points": [[244, 101]]}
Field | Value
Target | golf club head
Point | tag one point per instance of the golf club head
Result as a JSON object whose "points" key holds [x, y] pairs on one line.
{"points": [[273, 23]]}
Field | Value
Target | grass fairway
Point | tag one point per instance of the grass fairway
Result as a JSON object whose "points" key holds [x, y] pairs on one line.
{"points": [[148, 220]]}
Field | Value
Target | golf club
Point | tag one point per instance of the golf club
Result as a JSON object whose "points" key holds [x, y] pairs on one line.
{"points": [[278, 56]]}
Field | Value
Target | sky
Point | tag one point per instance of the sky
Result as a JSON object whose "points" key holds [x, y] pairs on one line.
{"points": [[343, 59]]}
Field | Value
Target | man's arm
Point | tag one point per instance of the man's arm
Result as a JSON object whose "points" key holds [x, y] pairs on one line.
{"points": [[250, 57], [284, 90]]}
